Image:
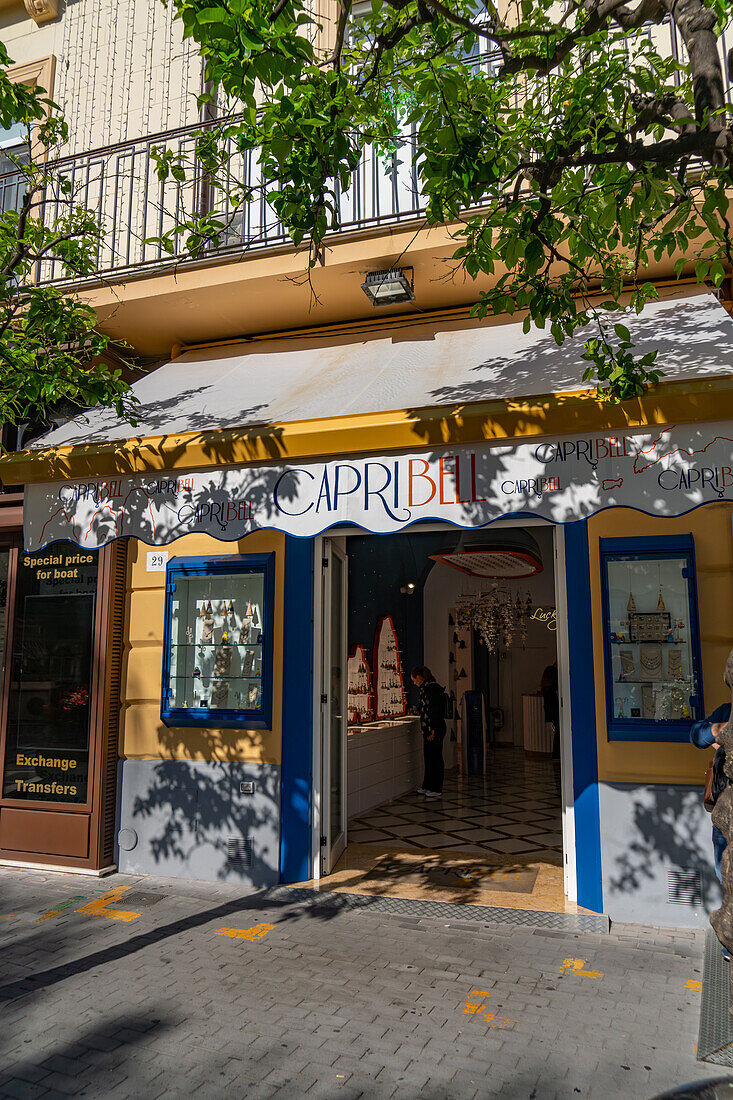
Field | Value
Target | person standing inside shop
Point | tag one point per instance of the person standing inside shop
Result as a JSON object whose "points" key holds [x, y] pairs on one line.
{"points": [[704, 734], [432, 723], [551, 699]]}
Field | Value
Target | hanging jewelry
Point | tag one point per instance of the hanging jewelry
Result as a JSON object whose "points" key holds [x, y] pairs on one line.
{"points": [[660, 601]]}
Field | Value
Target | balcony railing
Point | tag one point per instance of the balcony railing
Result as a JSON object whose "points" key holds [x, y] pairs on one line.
{"points": [[135, 208], [121, 185]]}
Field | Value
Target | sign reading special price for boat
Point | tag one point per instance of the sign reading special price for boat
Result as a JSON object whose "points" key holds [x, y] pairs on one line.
{"points": [[666, 473]]}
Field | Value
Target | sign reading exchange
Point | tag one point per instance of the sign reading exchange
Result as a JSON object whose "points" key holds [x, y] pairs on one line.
{"points": [[664, 472]]}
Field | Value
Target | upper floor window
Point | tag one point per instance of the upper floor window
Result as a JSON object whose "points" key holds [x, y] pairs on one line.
{"points": [[13, 151]]}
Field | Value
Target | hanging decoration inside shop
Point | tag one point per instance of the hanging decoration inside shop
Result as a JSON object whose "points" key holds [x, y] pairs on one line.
{"points": [[360, 692], [499, 554], [389, 688], [499, 617]]}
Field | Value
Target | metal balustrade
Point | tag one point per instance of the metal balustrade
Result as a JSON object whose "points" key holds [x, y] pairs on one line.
{"points": [[135, 208], [120, 185]]}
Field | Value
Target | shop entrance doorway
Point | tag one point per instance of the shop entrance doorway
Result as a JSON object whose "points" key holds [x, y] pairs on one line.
{"points": [[484, 615]]}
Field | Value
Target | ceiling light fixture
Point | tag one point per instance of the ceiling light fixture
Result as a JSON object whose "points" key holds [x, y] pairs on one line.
{"points": [[506, 554], [386, 288]]}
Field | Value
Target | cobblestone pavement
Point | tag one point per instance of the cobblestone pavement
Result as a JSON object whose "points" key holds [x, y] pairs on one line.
{"points": [[210, 992]]}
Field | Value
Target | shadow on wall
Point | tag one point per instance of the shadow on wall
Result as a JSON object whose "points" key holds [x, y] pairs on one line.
{"points": [[658, 840], [211, 820]]}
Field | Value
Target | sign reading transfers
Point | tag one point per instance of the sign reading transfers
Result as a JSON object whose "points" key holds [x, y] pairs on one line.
{"points": [[58, 776], [664, 473]]}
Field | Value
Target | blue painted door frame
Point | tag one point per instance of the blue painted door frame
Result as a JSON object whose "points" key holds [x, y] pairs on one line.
{"points": [[583, 718], [296, 773]]}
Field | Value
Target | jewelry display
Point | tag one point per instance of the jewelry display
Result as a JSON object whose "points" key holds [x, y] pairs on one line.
{"points": [[648, 704], [208, 628], [650, 662], [628, 665], [213, 665], [389, 691], [222, 667], [674, 665], [648, 600], [360, 695]]}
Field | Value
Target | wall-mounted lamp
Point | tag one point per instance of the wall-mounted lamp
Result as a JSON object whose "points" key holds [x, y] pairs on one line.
{"points": [[408, 589], [386, 288]]}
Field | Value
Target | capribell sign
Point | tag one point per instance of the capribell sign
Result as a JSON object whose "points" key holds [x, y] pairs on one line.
{"points": [[666, 472]]}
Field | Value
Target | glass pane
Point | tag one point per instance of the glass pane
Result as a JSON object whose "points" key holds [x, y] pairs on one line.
{"points": [[12, 182], [47, 750], [13, 134], [217, 651], [651, 652], [336, 695]]}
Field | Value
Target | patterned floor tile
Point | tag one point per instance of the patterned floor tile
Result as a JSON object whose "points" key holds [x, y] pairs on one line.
{"points": [[514, 809]]}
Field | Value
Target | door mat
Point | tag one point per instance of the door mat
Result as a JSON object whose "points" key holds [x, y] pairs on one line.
{"points": [[498, 881], [715, 1038]]}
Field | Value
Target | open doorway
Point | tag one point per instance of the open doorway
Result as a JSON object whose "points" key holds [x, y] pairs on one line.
{"points": [[480, 611]]}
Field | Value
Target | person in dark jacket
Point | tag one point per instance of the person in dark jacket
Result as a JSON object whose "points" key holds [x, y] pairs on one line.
{"points": [[704, 734], [551, 699], [432, 723]]}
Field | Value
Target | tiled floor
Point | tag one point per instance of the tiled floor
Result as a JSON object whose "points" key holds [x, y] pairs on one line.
{"points": [[515, 810]]}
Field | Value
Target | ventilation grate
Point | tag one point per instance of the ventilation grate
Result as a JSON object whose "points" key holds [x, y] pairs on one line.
{"points": [[239, 851], [684, 887]]}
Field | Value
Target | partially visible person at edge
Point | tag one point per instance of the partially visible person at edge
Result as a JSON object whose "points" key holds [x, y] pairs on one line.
{"points": [[551, 698], [704, 734], [432, 723]]}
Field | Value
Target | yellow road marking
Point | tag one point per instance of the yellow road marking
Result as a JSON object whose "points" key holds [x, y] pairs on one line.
{"points": [[256, 933], [575, 966], [695, 986], [474, 1007], [62, 907], [98, 907]]}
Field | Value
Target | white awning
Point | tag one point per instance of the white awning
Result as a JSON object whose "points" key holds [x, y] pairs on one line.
{"points": [[663, 471], [409, 366]]}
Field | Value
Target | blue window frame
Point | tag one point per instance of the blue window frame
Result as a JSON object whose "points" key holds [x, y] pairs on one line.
{"points": [[217, 642], [651, 638]]}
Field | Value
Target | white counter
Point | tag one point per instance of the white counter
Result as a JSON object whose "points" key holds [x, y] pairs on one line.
{"points": [[384, 761]]}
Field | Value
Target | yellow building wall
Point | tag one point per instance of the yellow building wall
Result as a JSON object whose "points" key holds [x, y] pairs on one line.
{"points": [[143, 736], [710, 526]]}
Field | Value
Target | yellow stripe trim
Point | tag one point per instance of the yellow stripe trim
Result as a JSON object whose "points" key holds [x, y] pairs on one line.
{"points": [[400, 430]]}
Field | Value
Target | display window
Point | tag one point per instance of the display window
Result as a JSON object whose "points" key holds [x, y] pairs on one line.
{"points": [[651, 638], [50, 669], [218, 642]]}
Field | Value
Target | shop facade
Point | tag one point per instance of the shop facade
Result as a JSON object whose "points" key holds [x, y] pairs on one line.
{"points": [[227, 561]]}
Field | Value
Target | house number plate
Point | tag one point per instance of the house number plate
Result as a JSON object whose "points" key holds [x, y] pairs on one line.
{"points": [[157, 561]]}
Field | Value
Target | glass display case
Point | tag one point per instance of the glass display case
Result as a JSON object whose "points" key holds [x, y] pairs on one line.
{"points": [[217, 668], [651, 638]]}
